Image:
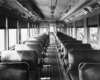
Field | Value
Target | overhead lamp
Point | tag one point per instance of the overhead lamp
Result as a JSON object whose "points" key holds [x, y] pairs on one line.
{"points": [[53, 2], [89, 8], [53, 6], [84, 11], [95, 6]]}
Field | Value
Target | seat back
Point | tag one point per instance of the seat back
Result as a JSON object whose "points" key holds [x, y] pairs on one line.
{"points": [[38, 42], [71, 41], [89, 71], [75, 57], [13, 71], [69, 47], [28, 56], [78, 46], [35, 46]]}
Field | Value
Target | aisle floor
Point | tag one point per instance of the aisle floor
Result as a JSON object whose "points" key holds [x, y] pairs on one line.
{"points": [[52, 69]]}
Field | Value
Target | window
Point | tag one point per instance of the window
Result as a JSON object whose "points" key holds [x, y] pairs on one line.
{"points": [[12, 37], [2, 40], [93, 34], [34, 32], [80, 33], [51, 29], [41, 30], [44, 30], [58, 29], [23, 34]]}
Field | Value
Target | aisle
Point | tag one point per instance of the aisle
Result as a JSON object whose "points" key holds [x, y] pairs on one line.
{"points": [[52, 69]]}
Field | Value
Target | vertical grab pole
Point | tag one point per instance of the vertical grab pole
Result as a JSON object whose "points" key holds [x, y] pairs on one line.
{"points": [[99, 31], [28, 33], [32, 30], [6, 35], [18, 33], [86, 31]]}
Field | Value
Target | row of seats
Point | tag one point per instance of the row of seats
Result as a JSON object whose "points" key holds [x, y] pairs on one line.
{"points": [[80, 61], [25, 61]]}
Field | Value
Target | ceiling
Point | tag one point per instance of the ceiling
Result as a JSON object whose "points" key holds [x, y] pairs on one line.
{"points": [[60, 7], [44, 9]]}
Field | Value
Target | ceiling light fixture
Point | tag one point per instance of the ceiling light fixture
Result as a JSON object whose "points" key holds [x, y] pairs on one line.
{"points": [[53, 6]]}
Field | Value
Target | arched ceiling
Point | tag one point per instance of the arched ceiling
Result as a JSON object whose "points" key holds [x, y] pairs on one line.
{"points": [[49, 9], [60, 6], [45, 9]]}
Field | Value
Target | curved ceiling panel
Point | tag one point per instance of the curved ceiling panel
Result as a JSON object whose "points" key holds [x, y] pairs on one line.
{"points": [[46, 7], [31, 5]]}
